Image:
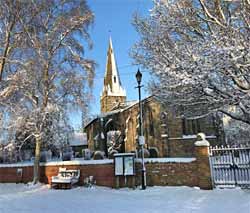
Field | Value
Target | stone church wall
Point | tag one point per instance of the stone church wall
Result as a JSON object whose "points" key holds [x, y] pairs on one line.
{"points": [[109, 102], [171, 135]]}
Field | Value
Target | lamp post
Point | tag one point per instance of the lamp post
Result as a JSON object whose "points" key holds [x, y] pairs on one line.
{"points": [[141, 137]]}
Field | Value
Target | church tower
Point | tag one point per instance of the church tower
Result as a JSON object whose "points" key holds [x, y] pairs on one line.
{"points": [[113, 94]]}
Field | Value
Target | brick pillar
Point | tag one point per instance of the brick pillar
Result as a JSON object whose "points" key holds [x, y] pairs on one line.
{"points": [[203, 166]]}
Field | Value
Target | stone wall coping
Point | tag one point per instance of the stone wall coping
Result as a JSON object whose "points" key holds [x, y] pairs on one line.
{"points": [[167, 160], [97, 162], [60, 163], [78, 162], [21, 164], [124, 154], [187, 137]]}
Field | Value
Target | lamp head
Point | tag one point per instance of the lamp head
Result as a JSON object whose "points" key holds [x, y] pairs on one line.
{"points": [[138, 76]]}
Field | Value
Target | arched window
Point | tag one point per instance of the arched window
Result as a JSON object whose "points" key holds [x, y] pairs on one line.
{"points": [[115, 79], [190, 126]]}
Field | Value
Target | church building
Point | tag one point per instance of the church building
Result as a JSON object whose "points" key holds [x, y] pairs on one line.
{"points": [[166, 135]]}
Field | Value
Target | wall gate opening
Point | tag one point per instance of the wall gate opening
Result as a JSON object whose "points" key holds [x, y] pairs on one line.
{"points": [[230, 166]]}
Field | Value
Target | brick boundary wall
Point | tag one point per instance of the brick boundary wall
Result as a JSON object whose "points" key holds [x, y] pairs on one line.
{"points": [[103, 172], [170, 174], [160, 172]]}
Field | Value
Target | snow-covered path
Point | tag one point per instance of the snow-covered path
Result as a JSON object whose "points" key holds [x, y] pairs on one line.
{"points": [[26, 199]]}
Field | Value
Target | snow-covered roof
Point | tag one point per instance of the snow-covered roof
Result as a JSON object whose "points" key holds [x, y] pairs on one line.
{"points": [[129, 105], [79, 139]]}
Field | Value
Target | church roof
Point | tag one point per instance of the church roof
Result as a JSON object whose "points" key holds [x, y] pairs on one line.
{"points": [[106, 114]]}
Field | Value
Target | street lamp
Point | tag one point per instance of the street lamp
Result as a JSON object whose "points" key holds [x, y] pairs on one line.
{"points": [[141, 137]]}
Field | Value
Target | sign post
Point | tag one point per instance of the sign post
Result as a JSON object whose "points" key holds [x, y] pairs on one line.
{"points": [[124, 166]]}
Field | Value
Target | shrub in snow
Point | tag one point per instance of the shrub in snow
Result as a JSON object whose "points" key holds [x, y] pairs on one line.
{"points": [[86, 154], [111, 153], [98, 155], [89, 181]]}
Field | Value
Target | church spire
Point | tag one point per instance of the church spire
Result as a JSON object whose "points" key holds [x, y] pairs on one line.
{"points": [[112, 84], [110, 43], [112, 78]]}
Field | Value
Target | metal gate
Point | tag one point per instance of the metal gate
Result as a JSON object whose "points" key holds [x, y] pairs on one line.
{"points": [[230, 167]]}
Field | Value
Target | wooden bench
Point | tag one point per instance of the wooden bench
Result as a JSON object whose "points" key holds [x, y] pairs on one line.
{"points": [[65, 178]]}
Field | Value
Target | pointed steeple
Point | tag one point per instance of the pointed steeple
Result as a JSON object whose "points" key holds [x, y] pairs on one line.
{"points": [[112, 78], [112, 84], [110, 43]]}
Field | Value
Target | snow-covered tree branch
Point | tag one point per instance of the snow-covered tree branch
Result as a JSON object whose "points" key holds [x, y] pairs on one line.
{"points": [[198, 52]]}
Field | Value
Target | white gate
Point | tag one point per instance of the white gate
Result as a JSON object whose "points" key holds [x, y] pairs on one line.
{"points": [[230, 167]]}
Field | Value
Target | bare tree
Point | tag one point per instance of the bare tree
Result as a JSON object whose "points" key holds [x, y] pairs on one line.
{"points": [[198, 52], [10, 34], [12, 59], [55, 75]]}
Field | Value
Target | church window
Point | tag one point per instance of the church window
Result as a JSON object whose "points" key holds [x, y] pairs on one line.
{"points": [[190, 126], [115, 79], [151, 124], [151, 129]]}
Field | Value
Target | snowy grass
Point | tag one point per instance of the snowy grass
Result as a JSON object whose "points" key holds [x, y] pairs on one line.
{"points": [[40, 199]]}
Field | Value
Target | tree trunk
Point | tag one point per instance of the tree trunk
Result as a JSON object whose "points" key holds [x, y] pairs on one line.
{"points": [[36, 174]]}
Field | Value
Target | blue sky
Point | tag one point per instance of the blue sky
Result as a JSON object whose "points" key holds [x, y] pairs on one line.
{"points": [[114, 16]]}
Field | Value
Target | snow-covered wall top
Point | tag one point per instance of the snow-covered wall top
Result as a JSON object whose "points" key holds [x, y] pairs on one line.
{"points": [[61, 163], [8, 165], [93, 162], [167, 160]]}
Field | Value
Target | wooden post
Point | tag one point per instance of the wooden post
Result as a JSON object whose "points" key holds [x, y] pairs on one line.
{"points": [[117, 182], [133, 181]]}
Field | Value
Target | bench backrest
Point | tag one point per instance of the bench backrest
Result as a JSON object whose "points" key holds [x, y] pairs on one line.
{"points": [[69, 173]]}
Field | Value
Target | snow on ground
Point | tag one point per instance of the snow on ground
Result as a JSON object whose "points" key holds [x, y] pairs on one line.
{"points": [[40, 199]]}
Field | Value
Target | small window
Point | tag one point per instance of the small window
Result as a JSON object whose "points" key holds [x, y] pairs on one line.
{"points": [[190, 126], [151, 129], [151, 124], [115, 79]]}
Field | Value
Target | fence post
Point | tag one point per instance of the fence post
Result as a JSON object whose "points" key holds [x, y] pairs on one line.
{"points": [[202, 159]]}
